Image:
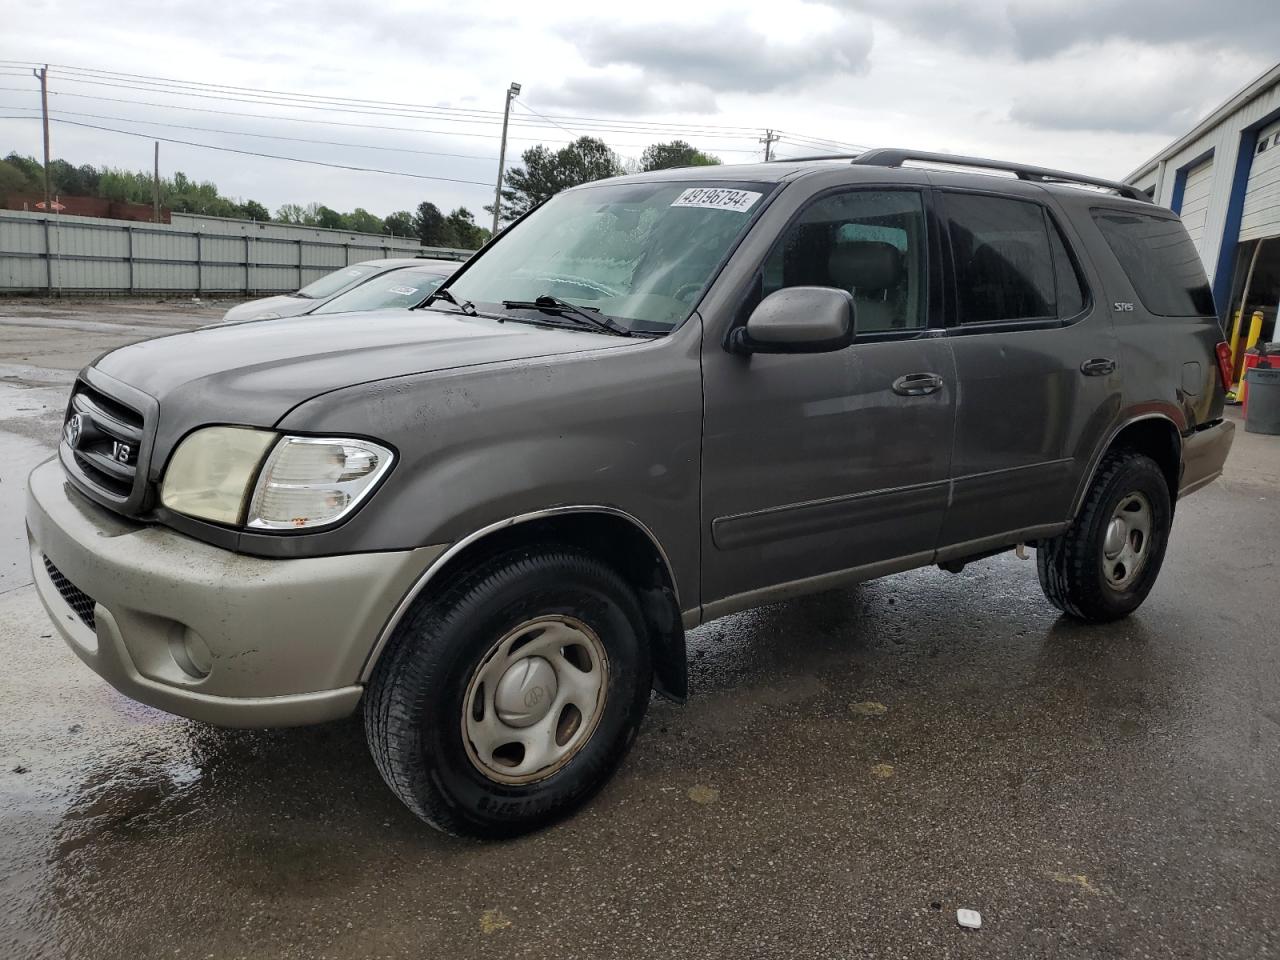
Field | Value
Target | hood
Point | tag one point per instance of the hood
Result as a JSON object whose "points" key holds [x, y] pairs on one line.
{"points": [[284, 305], [254, 373]]}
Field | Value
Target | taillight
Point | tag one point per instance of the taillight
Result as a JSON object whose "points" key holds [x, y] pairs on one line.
{"points": [[1223, 351]]}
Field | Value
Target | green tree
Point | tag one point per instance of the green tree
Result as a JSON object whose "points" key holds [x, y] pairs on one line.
{"points": [[329, 218], [430, 226], [677, 153], [288, 213], [253, 210], [13, 179], [399, 224], [362, 221], [467, 234], [546, 172]]}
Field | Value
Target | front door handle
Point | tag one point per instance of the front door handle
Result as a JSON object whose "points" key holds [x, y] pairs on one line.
{"points": [[1098, 367], [917, 384]]}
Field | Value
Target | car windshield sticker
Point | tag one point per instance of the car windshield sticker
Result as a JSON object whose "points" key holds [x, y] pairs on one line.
{"points": [[717, 198], [404, 291]]}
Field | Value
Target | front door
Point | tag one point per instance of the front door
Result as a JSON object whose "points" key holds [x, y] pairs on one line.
{"points": [[818, 464]]}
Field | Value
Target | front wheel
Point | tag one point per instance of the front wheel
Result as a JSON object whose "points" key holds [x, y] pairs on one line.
{"points": [[1107, 561], [504, 703]]}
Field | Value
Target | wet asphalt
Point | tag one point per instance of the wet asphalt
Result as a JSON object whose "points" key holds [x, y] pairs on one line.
{"points": [[850, 769]]}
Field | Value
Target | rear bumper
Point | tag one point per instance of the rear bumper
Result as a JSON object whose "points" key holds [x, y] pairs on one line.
{"points": [[278, 642], [1203, 456]]}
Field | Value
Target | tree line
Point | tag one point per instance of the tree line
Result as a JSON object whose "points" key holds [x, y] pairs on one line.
{"points": [[544, 172]]}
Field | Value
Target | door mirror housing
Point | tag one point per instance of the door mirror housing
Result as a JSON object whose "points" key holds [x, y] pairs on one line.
{"points": [[797, 320]]}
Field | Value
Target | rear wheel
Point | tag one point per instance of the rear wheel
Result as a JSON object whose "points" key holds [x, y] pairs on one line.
{"points": [[1107, 561], [505, 702]]}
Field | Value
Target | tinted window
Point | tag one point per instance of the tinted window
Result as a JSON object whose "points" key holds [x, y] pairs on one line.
{"points": [[1161, 262], [1004, 266], [870, 243], [1071, 297]]}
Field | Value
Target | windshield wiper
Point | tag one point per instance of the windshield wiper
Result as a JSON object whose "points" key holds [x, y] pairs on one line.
{"points": [[588, 315], [466, 306]]}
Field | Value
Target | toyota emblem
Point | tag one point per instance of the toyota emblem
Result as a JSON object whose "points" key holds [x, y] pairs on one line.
{"points": [[74, 430]]}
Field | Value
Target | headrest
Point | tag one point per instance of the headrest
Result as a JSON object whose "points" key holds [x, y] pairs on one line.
{"points": [[865, 265]]}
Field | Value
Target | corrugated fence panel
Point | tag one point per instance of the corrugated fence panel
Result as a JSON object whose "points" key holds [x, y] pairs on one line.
{"points": [[273, 279], [267, 252], [193, 254]]}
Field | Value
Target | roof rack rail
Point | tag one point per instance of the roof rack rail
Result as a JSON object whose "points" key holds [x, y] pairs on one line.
{"points": [[817, 156], [892, 157]]}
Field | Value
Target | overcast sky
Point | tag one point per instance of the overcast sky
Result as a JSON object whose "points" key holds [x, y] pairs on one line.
{"points": [[1091, 85]]}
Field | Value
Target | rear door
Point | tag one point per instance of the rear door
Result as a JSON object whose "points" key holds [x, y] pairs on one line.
{"points": [[817, 464], [1036, 364]]}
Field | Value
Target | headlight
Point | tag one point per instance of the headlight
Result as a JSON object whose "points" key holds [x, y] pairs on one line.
{"points": [[211, 470], [315, 481]]}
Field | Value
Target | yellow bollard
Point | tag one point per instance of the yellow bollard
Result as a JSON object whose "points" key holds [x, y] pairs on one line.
{"points": [[1255, 332], [1236, 359]]}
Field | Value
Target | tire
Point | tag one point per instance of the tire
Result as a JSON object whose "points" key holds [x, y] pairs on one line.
{"points": [[1094, 579], [454, 648]]}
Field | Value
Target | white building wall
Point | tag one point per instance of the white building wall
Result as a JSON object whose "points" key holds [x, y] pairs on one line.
{"points": [[1262, 201], [1224, 140]]}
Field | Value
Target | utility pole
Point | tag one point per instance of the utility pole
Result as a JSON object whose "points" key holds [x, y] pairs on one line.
{"points": [[43, 76], [512, 91], [155, 189], [769, 139]]}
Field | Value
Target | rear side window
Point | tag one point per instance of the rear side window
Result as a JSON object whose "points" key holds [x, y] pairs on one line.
{"points": [[1160, 261], [1004, 263]]}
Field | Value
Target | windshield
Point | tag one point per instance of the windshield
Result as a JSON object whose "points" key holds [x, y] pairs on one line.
{"points": [[331, 283], [641, 253], [406, 287]]}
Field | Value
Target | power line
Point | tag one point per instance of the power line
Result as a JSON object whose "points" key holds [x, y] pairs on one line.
{"points": [[253, 153], [267, 136], [329, 123], [169, 86], [434, 114], [161, 82]]}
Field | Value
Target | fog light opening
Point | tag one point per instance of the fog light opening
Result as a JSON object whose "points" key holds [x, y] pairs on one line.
{"points": [[191, 654]]}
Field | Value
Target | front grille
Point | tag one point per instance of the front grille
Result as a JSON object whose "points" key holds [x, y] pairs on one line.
{"points": [[104, 437], [77, 599]]}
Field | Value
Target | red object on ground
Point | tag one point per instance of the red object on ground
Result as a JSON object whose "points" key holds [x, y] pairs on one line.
{"points": [[1252, 359]]}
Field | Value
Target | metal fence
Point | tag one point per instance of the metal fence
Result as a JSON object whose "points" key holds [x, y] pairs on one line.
{"points": [[55, 255]]}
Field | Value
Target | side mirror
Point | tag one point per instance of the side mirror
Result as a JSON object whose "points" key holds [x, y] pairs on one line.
{"points": [[797, 320]]}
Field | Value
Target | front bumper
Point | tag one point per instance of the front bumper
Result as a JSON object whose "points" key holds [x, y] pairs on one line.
{"points": [[1203, 455], [283, 641]]}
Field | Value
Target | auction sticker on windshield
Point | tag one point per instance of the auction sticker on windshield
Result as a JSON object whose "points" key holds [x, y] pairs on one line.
{"points": [[717, 198], [404, 291]]}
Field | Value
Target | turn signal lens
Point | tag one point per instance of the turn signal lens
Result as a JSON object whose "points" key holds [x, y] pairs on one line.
{"points": [[315, 481]]}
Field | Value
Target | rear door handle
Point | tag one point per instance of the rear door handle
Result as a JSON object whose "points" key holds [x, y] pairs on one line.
{"points": [[1098, 367], [917, 384]]}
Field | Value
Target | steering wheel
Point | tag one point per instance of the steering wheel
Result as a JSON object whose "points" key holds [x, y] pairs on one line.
{"points": [[692, 289]]}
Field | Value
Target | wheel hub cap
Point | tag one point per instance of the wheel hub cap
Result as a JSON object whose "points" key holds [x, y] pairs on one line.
{"points": [[1117, 535], [525, 692], [1126, 543], [535, 699]]}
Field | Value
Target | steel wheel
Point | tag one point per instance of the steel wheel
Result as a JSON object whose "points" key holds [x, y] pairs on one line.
{"points": [[1126, 543], [535, 699]]}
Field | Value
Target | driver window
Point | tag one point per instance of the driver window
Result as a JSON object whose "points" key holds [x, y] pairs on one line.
{"points": [[868, 242]]}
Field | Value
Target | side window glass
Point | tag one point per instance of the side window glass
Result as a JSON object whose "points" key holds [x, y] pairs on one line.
{"points": [[1070, 291], [868, 242], [1160, 261], [1004, 268]]}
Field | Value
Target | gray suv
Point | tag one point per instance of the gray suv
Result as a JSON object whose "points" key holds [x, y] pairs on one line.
{"points": [[487, 523]]}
